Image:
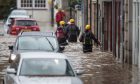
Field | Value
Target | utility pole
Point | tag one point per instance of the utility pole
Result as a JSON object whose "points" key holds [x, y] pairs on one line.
{"points": [[32, 9], [52, 12]]}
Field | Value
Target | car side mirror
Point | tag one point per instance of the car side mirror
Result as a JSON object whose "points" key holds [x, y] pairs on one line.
{"points": [[8, 24], [11, 71], [79, 72], [10, 47], [61, 48]]}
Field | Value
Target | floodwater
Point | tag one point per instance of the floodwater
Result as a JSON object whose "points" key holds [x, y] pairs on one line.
{"points": [[99, 67]]}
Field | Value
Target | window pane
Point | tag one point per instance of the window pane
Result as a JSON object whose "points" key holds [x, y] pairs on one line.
{"points": [[26, 3], [40, 3], [22, 1]]}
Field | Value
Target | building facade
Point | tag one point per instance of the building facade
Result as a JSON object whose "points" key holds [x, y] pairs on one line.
{"points": [[37, 9], [119, 28], [113, 27]]}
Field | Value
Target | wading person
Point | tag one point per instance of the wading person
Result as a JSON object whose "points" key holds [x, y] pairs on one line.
{"points": [[87, 38], [60, 34], [72, 31]]}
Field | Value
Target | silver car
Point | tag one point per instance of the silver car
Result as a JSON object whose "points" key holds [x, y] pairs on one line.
{"points": [[35, 41], [41, 68]]}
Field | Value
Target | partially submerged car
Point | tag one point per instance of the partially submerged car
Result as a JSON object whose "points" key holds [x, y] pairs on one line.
{"points": [[15, 14], [41, 68], [35, 41], [22, 24]]}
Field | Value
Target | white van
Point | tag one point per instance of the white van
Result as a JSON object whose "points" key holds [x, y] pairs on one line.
{"points": [[15, 14]]}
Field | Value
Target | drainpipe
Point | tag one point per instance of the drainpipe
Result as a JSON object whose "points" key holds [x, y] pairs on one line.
{"points": [[122, 32], [83, 15], [91, 13], [139, 35], [113, 25], [97, 17], [130, 29], [87, 7]]}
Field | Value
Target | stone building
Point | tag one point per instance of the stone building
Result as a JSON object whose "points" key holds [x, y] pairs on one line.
{"points": [[37, 9]]}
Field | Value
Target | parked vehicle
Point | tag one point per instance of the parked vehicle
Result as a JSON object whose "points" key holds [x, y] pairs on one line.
{"points": [[35, 41], [19, 12], [41, 68], [15, 14], [22, 24]]}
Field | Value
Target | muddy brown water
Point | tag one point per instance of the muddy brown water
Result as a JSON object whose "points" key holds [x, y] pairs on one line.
{"points": [[99, 67]]}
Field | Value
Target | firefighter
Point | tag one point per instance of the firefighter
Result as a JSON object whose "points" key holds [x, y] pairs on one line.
{"points": [[72, 31], [87, 38], [60, 34]]}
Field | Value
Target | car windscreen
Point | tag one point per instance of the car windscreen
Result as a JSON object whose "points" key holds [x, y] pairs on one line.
{"points": [[46, 67], [21, 13], [26, 23], [37, 43]]}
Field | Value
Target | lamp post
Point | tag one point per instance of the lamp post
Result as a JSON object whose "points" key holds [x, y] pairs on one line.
{"points": [[32, 8], [52, 12]]}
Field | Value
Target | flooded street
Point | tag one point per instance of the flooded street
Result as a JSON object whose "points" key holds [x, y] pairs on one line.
{"points": [[99, 67]]}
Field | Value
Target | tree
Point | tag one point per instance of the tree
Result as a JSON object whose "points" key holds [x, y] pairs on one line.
{"points": [[6, 7]]}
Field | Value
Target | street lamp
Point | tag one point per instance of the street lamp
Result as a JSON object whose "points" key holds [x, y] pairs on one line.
{"points": [[32, 8], [52, 15]]}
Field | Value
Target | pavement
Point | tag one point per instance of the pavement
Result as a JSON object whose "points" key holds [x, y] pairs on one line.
{"points": [[1, 28]]}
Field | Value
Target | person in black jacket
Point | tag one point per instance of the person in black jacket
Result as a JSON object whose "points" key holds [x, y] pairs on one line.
{"points": [[87, 38], [72, 31]]}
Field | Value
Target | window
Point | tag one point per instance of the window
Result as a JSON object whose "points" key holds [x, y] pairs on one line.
{"points": [[26, 3], [35, 4], [40, 3]]}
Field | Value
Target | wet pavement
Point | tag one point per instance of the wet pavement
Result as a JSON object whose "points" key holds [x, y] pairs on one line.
{"points": [[99, 67]]}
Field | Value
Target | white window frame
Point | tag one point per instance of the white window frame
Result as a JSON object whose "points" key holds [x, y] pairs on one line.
{"points": [[42, 4]]}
